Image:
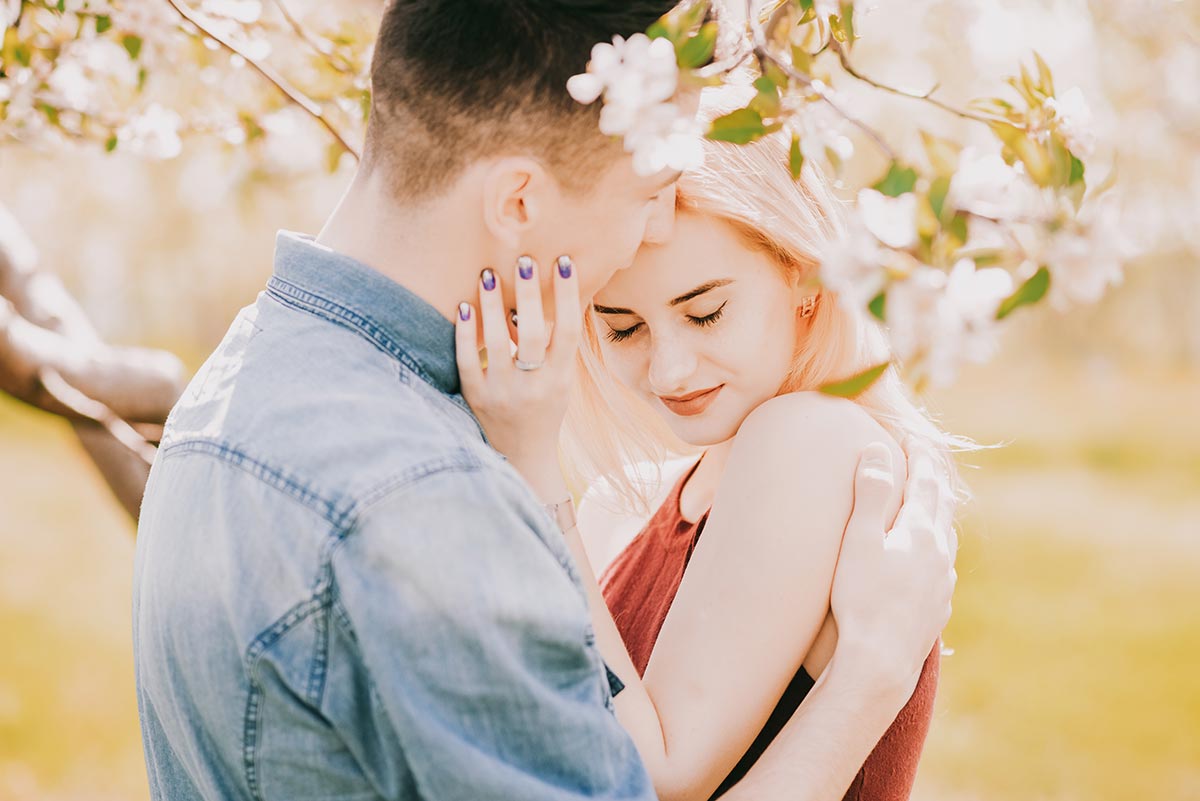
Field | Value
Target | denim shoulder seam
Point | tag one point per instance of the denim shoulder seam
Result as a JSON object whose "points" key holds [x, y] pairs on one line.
{"points": [[333, 511], [352, 319]]}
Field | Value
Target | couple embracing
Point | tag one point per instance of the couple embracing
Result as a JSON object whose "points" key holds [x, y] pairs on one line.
{"points": [[360, 573]]}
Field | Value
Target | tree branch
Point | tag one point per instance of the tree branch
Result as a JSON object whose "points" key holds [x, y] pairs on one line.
{"points": [[292, 94]]}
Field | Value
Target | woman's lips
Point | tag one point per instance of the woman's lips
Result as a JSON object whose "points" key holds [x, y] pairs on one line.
{"points": [[693, 403]]}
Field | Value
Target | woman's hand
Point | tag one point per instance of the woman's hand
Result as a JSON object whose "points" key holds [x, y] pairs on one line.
{"points": [[521, 402]]}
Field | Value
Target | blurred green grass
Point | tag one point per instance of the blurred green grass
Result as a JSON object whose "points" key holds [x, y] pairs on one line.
{"points": [[1076, 625]]}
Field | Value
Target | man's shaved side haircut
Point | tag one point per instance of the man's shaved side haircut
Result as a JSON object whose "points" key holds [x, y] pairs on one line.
{"points": [[457, 80]]}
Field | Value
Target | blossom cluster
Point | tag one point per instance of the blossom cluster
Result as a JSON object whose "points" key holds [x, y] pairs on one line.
{"points": [[943, 247]]}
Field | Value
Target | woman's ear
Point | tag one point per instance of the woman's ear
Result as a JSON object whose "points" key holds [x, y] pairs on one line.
{"points": [[515, 195]]}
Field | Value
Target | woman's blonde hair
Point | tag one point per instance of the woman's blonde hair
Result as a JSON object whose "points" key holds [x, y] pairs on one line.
{"points": [[611, 434]]}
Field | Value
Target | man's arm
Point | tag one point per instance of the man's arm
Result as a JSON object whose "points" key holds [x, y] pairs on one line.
{"points": [[891, 599], [479, 646]]}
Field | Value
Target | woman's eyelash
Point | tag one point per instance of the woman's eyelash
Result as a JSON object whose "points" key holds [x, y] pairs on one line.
{"points": [[708, 319], [621, 334]]}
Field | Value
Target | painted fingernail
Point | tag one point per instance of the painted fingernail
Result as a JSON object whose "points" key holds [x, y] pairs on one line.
{"points": [[464, 311], [489, 279], [564, 266], [525, 267]]}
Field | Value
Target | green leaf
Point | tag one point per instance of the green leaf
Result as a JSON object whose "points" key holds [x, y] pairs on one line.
{"points": [[937, 194], [878, 306], [806, 5], [1045, 78], [942, 153], [1031, 291], [1076, 171], [897, 181], [698, 50], [740, 127], [50, 111], [132, 45], [766, 102], [847, 17], [62, 6], [957, 228], [855, 385], [658, 30], [22, 53], [111, 144], [103, 23], [795, 158]]}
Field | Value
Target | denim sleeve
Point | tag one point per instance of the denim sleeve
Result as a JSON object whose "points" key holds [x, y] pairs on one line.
{"points": [[478, 643]]}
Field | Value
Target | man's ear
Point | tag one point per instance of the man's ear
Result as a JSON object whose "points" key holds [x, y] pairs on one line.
{"points": [[516, 191]]}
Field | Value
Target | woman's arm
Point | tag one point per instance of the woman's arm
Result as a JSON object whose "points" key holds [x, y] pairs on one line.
{"points": [[753, 598]]}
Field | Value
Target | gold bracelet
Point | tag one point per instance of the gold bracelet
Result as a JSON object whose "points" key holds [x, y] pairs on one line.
{"points": [[562, 513]]}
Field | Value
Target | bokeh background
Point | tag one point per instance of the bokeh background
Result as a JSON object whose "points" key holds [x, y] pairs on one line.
{"points": [[1076, 672]]}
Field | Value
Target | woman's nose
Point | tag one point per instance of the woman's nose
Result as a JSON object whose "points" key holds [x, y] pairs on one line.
{"points": [[671, 365]]}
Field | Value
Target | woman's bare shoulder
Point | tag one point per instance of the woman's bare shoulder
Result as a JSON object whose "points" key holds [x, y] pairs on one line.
{"points": [[807, 440]]}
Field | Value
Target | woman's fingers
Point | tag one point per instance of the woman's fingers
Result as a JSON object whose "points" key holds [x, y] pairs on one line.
{"points": [[495, 329], [568, 314], [532, 334], [466, 350]]}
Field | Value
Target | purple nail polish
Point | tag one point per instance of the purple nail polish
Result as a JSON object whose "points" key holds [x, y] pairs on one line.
{"points": [[489, 279], [564, 266], [525, 267], [464, 311]]}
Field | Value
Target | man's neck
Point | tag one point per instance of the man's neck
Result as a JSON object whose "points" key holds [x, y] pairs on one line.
{"points": [[427, 249]]}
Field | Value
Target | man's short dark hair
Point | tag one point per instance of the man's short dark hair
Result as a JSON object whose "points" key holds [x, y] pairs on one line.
{"points": [[458, 80]]}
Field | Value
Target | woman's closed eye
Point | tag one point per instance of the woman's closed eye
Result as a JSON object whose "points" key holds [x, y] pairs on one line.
{"points": [[709, 319], [704, 321]]}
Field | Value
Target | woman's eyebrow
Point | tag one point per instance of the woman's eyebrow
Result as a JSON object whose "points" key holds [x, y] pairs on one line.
{"points": [[700, 290], [610, 309]]}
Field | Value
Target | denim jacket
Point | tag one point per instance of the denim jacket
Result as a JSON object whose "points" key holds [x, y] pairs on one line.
{"points": [[341, 590]]}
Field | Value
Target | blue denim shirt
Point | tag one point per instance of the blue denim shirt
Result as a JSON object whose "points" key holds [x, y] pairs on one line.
{"points": [[341, 591]]}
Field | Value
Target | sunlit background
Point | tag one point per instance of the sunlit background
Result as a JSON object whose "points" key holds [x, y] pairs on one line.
{"points": [[1076, 672]]}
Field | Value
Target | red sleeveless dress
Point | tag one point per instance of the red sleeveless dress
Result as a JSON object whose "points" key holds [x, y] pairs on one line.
{"points": [[639, 587]]}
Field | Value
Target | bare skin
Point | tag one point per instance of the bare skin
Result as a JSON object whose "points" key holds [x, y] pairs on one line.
{"points": [[713, 680]]}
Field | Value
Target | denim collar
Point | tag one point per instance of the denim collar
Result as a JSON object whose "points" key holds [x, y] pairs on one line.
{"points": [[338, 287]]}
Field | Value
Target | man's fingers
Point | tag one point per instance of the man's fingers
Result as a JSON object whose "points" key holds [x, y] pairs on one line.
{"points": [[495, 328], [568, 314], [466, 349], [872, 488], [531, 317]]}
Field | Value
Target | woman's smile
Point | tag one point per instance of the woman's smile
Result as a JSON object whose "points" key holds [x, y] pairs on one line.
{"points": [[693, 403]]}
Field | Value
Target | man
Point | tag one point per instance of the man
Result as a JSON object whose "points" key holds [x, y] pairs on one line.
{"points": [[341, 590]]}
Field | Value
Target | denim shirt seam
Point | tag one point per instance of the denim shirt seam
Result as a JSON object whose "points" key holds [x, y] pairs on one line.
{"points": [[329, 509], [361, 323]]}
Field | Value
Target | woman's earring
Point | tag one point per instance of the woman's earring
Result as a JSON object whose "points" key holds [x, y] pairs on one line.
{"points": [[808, 306]]}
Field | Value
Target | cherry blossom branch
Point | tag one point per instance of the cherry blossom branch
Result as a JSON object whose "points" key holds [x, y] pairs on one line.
{"points": [[927, 96], [320, 48], [270, 75], [763, 53]]}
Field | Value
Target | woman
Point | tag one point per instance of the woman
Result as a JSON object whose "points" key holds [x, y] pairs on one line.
{"points": [[715, 343]]}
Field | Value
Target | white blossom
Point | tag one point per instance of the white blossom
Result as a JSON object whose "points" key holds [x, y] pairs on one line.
{"points": [[893, 220], [154, 133], [1086, 256], [637, 78], [985, 184], [1073, 119], [821, 130], [941, 321], [852, 266]]}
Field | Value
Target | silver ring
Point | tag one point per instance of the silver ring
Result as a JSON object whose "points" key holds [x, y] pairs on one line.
{"points": [[524, 365]]}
